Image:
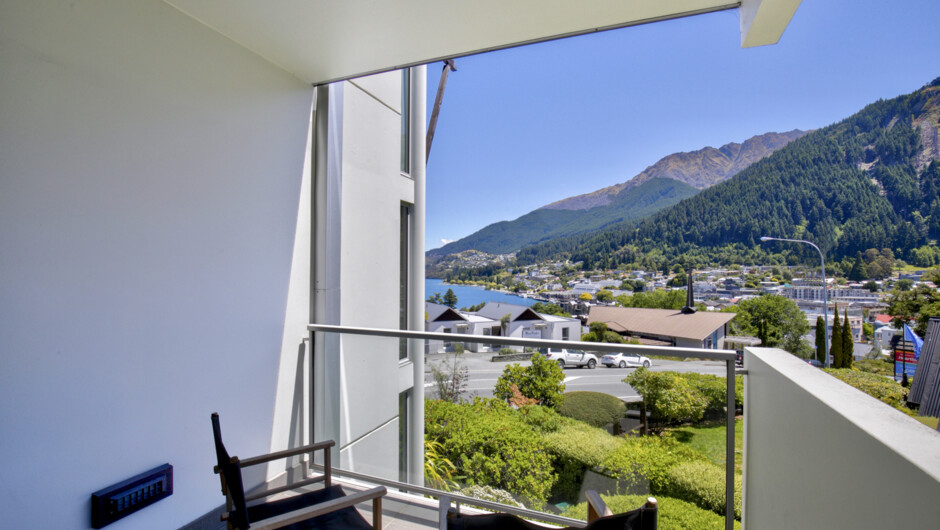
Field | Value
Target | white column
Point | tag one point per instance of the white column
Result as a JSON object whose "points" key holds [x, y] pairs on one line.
{"points": [[416, 274]]}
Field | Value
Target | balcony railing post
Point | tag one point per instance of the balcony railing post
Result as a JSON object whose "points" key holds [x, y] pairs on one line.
{"points": [[729, 447]]}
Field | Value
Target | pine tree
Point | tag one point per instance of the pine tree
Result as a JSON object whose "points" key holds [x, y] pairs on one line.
{"points": [[848, 344], [450, 299], [858, 272], [835, 342], [821, 340]]}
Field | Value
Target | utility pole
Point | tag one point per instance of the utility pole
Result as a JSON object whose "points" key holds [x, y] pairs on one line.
{"points": [[438, 99]]}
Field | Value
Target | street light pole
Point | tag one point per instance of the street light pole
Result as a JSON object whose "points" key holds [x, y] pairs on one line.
{"points": [[822, 260]]}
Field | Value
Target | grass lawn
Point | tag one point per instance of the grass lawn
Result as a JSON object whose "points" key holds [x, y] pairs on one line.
{"points": [[710, 439], [928, 421]]}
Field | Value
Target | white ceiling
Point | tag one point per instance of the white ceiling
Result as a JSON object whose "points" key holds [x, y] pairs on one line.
{"points": [[327, 40]]}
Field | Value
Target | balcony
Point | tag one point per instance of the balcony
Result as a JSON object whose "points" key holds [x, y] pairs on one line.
{"points": [[817, 453]]}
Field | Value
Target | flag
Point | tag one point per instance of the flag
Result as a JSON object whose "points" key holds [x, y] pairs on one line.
{"points": [[917, 341]]}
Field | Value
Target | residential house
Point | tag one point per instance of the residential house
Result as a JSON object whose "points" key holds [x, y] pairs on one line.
{"points": [[444, 319], [700, 329], [522, 321]]}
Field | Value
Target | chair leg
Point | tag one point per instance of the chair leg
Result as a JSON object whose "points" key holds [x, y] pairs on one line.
{"points": [[377, 512]]}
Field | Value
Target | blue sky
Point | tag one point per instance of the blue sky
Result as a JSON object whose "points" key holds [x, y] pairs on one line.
{"points": [[525, 127]]}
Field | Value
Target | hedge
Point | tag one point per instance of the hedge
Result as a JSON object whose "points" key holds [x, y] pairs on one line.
{"points": [[876, 386], [491, 444], [594, 408], [703, 484], [642, 465], [577, 447], [674, 514]]}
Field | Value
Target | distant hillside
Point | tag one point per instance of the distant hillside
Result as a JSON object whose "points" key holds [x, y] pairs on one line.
{"points": [[665, 183], [699, 169], [870, 181]]}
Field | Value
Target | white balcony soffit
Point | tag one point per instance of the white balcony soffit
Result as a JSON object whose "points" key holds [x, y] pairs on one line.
{"points": [[321, 41]]}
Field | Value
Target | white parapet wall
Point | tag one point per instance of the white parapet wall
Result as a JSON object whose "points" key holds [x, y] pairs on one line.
{"points": [[820, 454]]}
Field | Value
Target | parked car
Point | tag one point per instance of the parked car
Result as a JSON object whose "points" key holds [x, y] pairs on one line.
{"points": [[566, 358], [623, 360]]}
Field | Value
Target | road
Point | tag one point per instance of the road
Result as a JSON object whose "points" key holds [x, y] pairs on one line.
{"points": [[483, 375]]}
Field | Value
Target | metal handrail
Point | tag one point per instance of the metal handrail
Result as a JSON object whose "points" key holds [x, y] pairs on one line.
{"points": [[728, 356], [606, 347], [471, 501]]}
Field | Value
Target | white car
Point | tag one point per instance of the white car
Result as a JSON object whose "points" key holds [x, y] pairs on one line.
{"points": [[623, 360], [566, 358]]}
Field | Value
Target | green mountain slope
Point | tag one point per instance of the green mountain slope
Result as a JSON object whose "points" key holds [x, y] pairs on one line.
{"points": [[669, 180], [870, 181], [542, 224]]}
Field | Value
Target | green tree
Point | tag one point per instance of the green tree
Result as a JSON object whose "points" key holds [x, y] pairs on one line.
{"points": [[905, 284], [858, 272], [669, 397], [473, 308], [605, 296], [600, 333], [658, 299], [916, 305], [679, 280], [871, 286], [548, 308], [932, 276], [776, 321], [848, 344], [835, 342], [450, 299], [820, 339], [541, 381], [435, 298], [504, 323]]}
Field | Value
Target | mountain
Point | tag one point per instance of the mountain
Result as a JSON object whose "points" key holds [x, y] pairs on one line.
{"points": [[871, 181], [699, 169], [665, 183]]}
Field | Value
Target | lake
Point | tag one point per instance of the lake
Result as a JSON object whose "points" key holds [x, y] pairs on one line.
{"points": [[468, 295]]}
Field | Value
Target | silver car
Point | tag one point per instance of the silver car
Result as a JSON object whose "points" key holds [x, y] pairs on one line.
{"points": [[571, 357], [623, 360]]}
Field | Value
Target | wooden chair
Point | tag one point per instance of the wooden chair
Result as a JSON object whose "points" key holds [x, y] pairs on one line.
{"points": [[329, 507], [599, 518]]}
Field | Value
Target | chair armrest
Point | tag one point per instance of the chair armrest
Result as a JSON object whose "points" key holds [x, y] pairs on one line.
{"points": [[287, 453], [596, 506], [319, 509]]}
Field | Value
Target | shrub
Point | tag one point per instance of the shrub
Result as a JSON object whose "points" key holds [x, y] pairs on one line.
{"points": [[506, 351], [594, 408], [712, 388], [542, 381], [643, 464], [491, 445], [874, 385], [667, 396], [577, 447], [703, 484], [673, 514], [542, 419], [876, 366], [488, 493]]}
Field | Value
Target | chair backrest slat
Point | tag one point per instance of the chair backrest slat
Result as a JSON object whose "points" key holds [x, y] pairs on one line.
{"points": [[231, 473]]}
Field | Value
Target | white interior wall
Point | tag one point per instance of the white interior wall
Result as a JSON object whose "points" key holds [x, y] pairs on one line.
{"points": [[149, 180]]}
